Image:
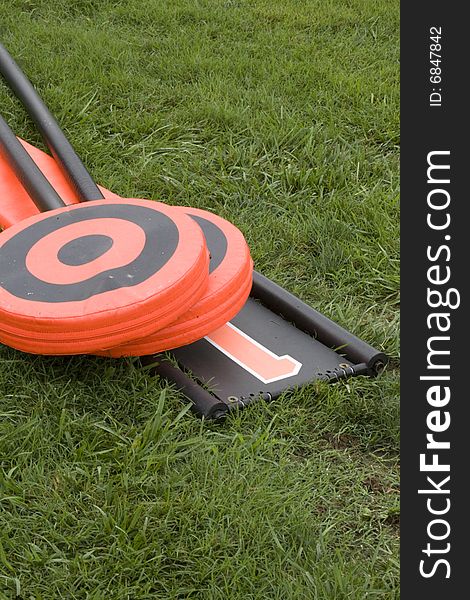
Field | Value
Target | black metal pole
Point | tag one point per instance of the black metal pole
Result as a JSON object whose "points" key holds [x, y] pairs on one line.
{"points": [[204, 404], [317, 325], [53, 136], [31, 177]]}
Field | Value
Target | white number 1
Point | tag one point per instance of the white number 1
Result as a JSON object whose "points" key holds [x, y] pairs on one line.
{"points": [[253, 356]]}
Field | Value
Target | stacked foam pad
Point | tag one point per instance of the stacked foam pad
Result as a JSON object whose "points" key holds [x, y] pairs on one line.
{"points": [[119, 277]]}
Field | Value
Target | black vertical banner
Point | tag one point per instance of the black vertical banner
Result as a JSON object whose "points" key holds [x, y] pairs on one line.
{"points": [[435, 270]]}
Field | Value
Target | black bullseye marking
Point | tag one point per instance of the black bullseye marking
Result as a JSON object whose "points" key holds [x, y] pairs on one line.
{"points": [[84, 249], [215, 240], [161, 241]]}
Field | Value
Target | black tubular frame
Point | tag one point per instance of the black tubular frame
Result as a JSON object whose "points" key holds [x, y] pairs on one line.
{"points": [[72, 166], [28, 173], [309, 320], [367, 359], [204, 403]]}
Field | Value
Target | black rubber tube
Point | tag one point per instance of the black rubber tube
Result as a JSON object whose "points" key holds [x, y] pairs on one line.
{"points": [[53, 136], [28, 173], [314, 323], [204, 403]]}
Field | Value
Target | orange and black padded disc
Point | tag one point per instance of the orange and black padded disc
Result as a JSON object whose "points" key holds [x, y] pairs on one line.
{"points": [[230, 281], [91, 276]]}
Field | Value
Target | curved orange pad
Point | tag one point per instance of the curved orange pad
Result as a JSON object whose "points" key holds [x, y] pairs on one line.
{"points": [[91, 276], [230, 281], [15, 203]]}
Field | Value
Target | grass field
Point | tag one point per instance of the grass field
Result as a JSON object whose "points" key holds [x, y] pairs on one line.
{"points": [[284, 118]]}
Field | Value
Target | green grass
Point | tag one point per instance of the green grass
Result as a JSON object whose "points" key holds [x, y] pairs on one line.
{"points": [[282, 117]]}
